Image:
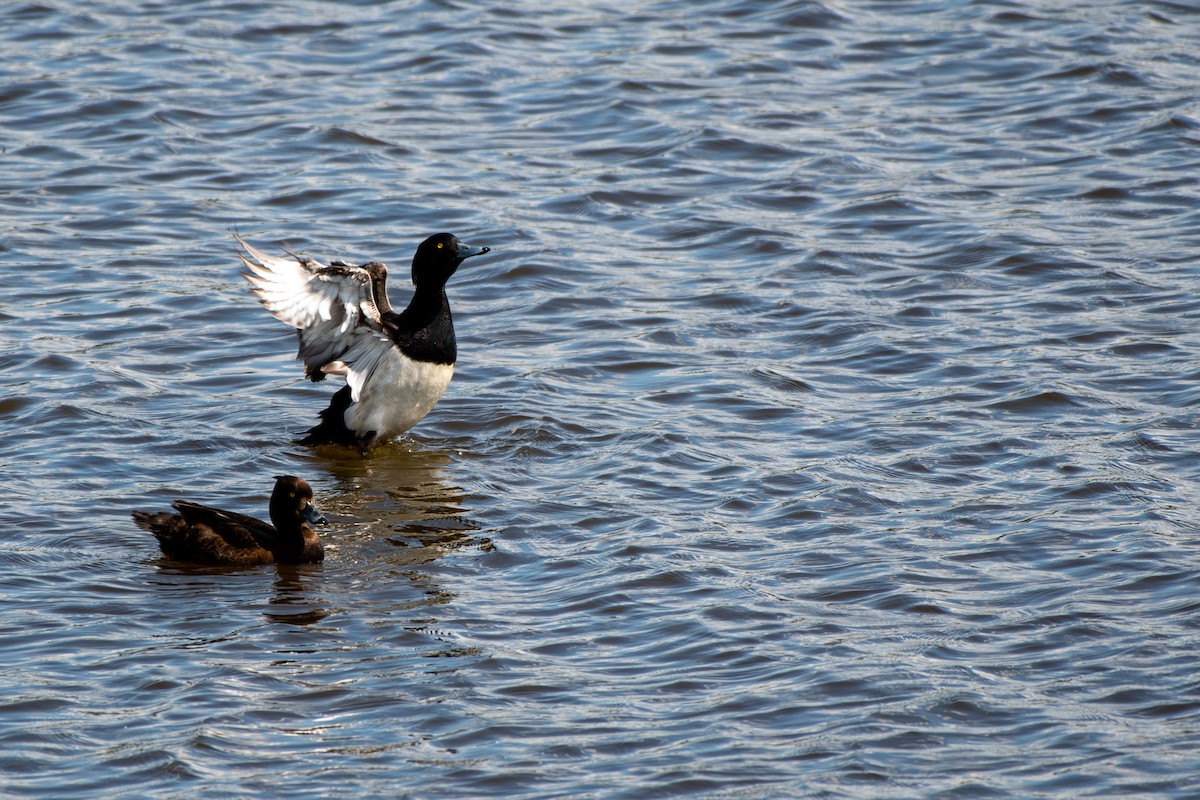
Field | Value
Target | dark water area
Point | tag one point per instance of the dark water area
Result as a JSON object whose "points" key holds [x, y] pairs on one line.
{"points": [[824, 425]]}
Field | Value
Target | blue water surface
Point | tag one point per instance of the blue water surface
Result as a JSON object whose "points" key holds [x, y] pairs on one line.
{"points": [[824, 425]]}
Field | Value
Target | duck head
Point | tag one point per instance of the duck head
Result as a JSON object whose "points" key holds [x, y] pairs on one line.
{"points": [[438, 257], [292, 500]]}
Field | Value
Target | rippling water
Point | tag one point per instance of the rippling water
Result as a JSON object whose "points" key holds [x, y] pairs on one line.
{"points": [[824, 425]]}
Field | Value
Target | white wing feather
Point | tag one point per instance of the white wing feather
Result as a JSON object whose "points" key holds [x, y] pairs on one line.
{"points": [[331, 306]]}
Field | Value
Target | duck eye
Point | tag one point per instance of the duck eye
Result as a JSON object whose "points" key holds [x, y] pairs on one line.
{"points": [[291, 494], [440, 245]]}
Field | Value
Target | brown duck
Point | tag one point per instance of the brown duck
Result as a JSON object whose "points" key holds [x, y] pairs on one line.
{"points": [[204, 535]]}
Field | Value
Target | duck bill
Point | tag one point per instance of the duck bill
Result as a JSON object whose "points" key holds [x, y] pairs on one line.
{"points": [[310, 513], [466, 251]]}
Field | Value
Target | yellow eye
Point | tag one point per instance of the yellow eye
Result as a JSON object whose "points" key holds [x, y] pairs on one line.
{"points": [[291, 494], [439, 245]]}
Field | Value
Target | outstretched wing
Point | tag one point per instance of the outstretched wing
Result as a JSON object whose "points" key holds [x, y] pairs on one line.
{"points": [[328, 305]]}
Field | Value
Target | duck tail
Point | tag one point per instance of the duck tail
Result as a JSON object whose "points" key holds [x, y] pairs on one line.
{"points": [[167, 528], [153, 521]]}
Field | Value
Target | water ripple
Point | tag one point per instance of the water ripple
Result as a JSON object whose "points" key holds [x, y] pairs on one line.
{"points": [[824, 422]]}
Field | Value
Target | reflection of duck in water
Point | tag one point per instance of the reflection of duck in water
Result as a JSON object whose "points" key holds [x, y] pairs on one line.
{"points": [[403, 508], [292, 601], [396, 365], [204, 535]]}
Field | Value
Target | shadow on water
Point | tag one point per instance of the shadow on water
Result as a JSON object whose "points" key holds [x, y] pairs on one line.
{"points": [[294, 598]]}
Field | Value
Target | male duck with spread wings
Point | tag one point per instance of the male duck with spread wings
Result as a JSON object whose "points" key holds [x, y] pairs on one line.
{"points": [[396, 365]]}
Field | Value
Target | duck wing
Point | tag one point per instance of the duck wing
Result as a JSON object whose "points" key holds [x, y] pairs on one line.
{"points": [[238, 530], [329, 305], [368, 352]]}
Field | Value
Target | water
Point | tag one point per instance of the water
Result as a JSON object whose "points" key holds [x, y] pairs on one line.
{"points": [[824, 424]]}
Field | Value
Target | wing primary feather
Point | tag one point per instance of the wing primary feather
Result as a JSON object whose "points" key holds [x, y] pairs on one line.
{"points": [[330, 306]]}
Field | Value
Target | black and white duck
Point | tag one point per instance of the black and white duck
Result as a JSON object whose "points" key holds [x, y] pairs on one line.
{"points": [[396, 365]]}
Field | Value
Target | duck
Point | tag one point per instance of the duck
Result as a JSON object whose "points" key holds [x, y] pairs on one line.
{"points": [[202, 535], [396, 365]]}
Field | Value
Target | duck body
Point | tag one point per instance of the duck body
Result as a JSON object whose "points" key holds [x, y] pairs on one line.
{"points": [[396, 365], [202, 535]]}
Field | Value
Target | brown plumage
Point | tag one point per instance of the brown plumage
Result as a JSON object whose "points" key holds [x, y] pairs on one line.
{"points": [[204, 535]]}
